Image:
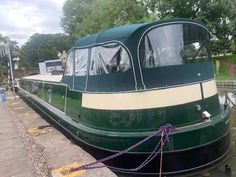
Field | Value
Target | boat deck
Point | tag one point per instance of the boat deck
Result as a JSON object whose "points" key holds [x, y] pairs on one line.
{"points": [[50, 78]]}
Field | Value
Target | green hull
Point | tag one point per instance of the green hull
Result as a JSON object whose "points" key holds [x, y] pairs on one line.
{"points": [[188, 141], [95, 128]]}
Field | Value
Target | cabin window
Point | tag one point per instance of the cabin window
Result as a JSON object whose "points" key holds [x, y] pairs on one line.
{"points": [[194, 52], [24, 85], [174, 45], [81, 62], [35, 88], [109, 58], [69, 65], [53, 66]]}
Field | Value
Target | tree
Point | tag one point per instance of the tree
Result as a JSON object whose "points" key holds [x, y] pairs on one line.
{"points": [[233, 25], [74, 11], [14, 50], [216, 14], [94, 16], [41, 47], [85, 17]]}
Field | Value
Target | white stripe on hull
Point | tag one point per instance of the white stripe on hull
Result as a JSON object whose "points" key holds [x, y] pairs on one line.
{"points": [[148, 99]]}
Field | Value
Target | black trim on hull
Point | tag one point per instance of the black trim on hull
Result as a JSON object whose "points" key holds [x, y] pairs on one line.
{"points": [[179, 162]]}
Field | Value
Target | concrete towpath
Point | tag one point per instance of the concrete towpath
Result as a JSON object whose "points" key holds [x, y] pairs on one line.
{"points": [[30, 147], [14, 160]]}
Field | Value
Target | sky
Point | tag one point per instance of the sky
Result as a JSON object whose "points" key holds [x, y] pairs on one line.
{"points": [[20, 19]]}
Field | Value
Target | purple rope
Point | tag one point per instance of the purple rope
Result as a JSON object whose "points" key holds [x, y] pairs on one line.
{"points": [[167, 129], [143, 164]]}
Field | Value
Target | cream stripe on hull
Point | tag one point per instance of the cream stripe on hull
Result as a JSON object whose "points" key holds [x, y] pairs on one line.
{"points": [[209, 88], [148, 99]]}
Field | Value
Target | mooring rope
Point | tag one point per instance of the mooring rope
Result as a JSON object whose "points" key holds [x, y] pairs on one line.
{"points": [[162, 144], [164, 131]]}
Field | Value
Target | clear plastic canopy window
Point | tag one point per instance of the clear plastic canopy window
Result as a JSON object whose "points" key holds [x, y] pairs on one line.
{"points": [[69, 65], [174, 45], [81, 62], [105, 59], [109, 58]]}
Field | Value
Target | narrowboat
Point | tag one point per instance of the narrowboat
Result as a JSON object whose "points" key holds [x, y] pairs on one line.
{"points": [[122, 84]]}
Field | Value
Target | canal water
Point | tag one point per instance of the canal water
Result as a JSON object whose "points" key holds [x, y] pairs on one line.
{"points": [[229, 164]]}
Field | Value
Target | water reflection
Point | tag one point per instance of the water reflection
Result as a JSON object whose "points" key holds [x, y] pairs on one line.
{"points": [[226, 95]]}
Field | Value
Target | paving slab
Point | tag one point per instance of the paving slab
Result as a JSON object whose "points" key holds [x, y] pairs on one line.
{"points": [[46, 149], [7, 127], [14, 161], [19, 167], [11, 153], [12, 142]]}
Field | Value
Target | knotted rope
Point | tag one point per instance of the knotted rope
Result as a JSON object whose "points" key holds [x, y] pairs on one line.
{"points": [[163, 131]]}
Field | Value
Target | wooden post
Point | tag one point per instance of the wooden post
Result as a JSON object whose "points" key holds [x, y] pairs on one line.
{"points": [[217, 67]]}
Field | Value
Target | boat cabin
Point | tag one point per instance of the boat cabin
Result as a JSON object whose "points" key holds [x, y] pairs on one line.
{"points": [[140, 57]]}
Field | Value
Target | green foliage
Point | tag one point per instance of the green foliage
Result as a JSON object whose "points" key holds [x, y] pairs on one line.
{"points": [[23, 63], [14, 50], [85, 17], [41, 47], [225, 77], [233, 46], [80, 19], [224, 70], [109, 13], [218, 15], [219, 46], [3, 72], [230, 58], [188, 52], [3, 69], [74, 11]]}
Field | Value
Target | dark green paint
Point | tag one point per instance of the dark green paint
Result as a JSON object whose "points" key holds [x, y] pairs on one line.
{"points": [[183, 138], [121, 81], [157, 77], [124, 33], [130, 36], [124, 120], [177, 74], [104, 129], [149, 119], [73, 106]]}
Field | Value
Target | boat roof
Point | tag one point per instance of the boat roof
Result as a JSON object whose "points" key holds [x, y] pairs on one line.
{"points": [[123, 33], [120, 33], [41, 77]]}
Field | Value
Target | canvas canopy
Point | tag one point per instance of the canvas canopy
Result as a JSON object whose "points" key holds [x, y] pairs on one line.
{"points": [[122, 33], [127, 57]]}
